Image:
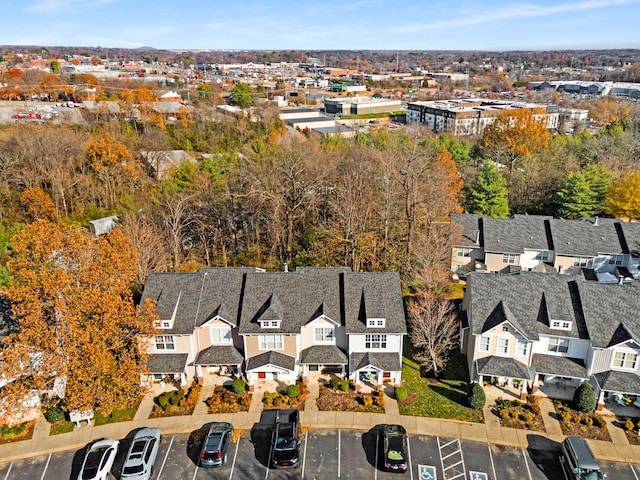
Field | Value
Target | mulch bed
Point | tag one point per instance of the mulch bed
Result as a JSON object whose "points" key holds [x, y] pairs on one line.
{"points": [[579, 423], [350, 401], [225, 400], [26, 435], [517, 414]]}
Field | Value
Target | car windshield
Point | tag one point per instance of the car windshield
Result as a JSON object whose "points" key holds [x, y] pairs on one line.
{"points": [[132, 470], [592, 475], [285, 443], [92, 465]]}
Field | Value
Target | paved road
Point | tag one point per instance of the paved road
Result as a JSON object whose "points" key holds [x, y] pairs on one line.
{"points": [[332, 454]]}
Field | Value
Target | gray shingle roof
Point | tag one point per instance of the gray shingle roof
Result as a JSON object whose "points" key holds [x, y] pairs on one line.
{"points": [[219, 355], [272, 358], [386, 361], [167, 362], [503, 367], [528, 298], [199, 296], [584, 237], [621, 382], [608, 306], [324, 355], [470, 223], [558, 365], [631, 237], [513, 235]]}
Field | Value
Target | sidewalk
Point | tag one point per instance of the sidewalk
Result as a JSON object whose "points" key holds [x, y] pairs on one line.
{"points": [[491, 431]]}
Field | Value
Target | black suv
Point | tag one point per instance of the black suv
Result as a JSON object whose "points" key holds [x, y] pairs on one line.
{"points": [[214, 448], [395, 448]]}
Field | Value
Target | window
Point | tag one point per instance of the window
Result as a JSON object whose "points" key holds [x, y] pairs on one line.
{"points": [[561, 324], [375, 322], [542, 255], [503, 345], [505, 328], [165, 342], [616, 260], [220, 334], [485, 344], [581, 261], [323, 334], [521, 348], [625, 360], [509, 258], [270, 342], [162, 324], [464, 252], [559, 345], [375, 341], [270, 324]]}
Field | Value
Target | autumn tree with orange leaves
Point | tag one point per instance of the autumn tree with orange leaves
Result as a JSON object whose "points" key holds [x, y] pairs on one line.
{"points": [[623, 197], [515, 134], [78, 327]]}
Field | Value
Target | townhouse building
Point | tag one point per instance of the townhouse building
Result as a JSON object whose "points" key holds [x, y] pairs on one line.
{"points": [[553, 332], [277, 325], [607, 249]]}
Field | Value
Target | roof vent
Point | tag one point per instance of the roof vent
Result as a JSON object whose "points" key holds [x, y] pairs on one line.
{"points": [[286, 267], [595, 221]]}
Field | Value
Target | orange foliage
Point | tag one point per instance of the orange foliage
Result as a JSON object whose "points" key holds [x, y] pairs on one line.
{"points": [[623, 197], [451, 182], [517, 133], [38, 205], [608, 109]]}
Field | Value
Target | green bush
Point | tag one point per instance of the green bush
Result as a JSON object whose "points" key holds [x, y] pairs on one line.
{"points": [[476, 396], [629, 425], [8, 431], [334, 382], [176, 396], [54, 414], [238, 386], [293, 391], [163, 399], [584, 398], [401, 393], [344, 385]]}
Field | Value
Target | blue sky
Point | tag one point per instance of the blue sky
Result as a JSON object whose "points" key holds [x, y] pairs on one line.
{"points": [[323, 24]]}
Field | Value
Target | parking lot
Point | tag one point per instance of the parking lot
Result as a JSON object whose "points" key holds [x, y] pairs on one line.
{"points": [[333, 454]]}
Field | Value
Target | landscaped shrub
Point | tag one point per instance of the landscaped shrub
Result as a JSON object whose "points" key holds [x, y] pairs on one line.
{"points": [[176, 397], [534, 405], [584, 398], [344, 385], [367, 400], [293, 391], [566, 417], [504, 413], [476, 396], [379, 399], [334, 382], [238, 385], [401, 393], [163, 399], [54, 414], [598, 421], [8, 431], [629, 425]]}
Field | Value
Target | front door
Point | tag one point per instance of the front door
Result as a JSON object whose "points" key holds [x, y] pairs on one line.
{"points": [[262, 375]]}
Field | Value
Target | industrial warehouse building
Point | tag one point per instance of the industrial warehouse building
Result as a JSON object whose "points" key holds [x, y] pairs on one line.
{"points": [[361, 105]]}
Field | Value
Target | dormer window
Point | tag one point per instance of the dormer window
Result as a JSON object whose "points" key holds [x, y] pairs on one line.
{"points": [[270, 324], [505, 328], [561, 324], [163, 324], [375, 322]]}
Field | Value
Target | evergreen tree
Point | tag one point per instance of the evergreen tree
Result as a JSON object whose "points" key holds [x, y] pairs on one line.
{"points": [[582, 193], [242, 95], [488, 194]]}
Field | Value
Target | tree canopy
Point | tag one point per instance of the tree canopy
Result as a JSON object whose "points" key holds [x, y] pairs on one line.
{"points": [[623, 198], [489, 193], [242, 95]]}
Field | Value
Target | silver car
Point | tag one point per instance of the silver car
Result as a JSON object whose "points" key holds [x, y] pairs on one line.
{"points": [[141, 455], [98, 461]]}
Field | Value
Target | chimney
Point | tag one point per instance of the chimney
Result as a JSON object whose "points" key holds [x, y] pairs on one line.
{"points": [[478, 237], [286, 267], [595, 221]]}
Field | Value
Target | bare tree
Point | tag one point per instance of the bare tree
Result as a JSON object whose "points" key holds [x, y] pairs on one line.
{"points": [[434, 331]]}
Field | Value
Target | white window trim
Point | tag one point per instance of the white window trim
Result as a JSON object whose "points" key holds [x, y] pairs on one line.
{"points": [[270, 324], [508, 257], [276, 338], [376, 322], [625, 355], [561, 324], [381, 340], [581, 261], [164, 340], [324, 340], [480, 345], [464, 252], [163, 324], [508, 344], [542, 255], [223, 339], [616, 259], [558, 345], [520, 343]]}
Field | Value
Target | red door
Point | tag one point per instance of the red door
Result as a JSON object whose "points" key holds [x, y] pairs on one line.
{"points": [[262, 375]]}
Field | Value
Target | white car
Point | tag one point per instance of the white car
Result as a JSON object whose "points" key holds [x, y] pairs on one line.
{"points": [[99, 459], [142, 455]]}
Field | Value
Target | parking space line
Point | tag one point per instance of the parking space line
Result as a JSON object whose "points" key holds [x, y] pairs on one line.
{"points": [[633, 470], [409, 452], [165, 457], [493, 466], [338, 453], [527, 464], [233, 464], [45, 467], [375, 467], [195, 473], [6, 477], [304, 453]]}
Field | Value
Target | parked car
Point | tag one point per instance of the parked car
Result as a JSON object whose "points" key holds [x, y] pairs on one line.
{"points": [[578, 461], [395, 448], [98, 461], [215, 445], [142, 455]]}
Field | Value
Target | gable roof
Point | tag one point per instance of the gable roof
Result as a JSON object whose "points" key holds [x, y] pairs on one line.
{"points": [[471, 225], [586, 237], [524, 300], [272, 358], [513, 235]]}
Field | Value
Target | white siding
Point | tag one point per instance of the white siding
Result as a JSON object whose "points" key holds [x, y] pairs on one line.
{"points": [[357, 342]]}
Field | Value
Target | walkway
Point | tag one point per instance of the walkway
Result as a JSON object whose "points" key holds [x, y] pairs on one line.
{"points": [[618, 449]]}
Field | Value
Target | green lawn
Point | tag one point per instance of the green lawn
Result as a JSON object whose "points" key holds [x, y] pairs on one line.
{"points": [[438, 399], [117, 415], [61, 427]]}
